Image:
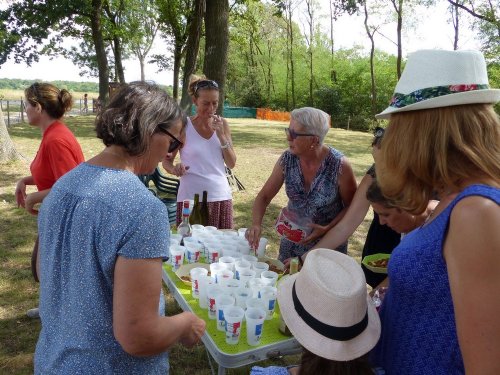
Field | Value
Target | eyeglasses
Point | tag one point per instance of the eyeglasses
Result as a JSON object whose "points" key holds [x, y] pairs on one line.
{"points": [[378, 134], [290, 133], [174, 144], [206, 83]]}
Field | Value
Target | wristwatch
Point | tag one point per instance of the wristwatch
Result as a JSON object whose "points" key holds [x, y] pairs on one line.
{"points": [[227, 145]]}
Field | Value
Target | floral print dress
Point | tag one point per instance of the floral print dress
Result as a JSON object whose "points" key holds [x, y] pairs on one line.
{"points": [[320, 204]]}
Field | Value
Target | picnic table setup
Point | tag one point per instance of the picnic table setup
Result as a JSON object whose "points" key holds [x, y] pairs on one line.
{"points": [[219, 251]]}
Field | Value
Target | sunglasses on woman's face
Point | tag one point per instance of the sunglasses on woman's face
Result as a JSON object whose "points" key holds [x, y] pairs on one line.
{"points": [[174, 143], [293, 135]]}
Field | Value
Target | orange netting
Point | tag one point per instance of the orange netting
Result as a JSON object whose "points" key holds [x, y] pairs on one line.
{"points": [[267, 114]]}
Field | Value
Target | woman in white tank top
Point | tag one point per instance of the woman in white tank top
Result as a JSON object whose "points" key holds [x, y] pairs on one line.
{"points": [[207, 150]]}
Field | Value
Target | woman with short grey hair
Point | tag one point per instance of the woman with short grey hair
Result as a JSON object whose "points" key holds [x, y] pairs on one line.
{"points": [[102, 239], [319, 183]]}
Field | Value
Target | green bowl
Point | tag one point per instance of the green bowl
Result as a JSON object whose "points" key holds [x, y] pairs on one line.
{"points": [[375, 257]]}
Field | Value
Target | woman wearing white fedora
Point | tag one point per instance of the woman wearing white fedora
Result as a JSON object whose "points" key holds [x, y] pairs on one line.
{"points": [[440, 314], [327, 309]]}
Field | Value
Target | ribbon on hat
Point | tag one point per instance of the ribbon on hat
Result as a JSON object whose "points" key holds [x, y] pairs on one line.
{"points": [[402, 100], [331, 332]]}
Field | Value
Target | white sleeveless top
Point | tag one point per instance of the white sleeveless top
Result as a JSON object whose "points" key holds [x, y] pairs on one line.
{"points": [[206, 167]]}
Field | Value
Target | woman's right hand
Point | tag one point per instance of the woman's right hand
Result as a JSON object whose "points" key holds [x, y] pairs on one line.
{"points": [[21, 193], [253, 236], [180, 169], [195, 331]]}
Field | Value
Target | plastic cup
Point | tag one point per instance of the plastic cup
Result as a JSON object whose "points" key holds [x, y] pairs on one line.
{"points": [[244, 249], [255, 323], [203, 283], [224, 276], [241, 265], [213, 254], [198, 227], [255, 286], [261, 250], [255, 302], [177, 256], [268, 296], [211, 229], [241, 232], [241, 295], [173, 242], [176, 236], [246, 276], [215, 269], [213, 291], [195, 274], [227, 262], [230, 233], [193, 251], [252, 259], [269, 278], [234, 317], [260, 267], [222, 301], [231, 285]]}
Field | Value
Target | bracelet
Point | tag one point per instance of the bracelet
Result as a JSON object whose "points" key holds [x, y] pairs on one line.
{"points": [[227, 145]]}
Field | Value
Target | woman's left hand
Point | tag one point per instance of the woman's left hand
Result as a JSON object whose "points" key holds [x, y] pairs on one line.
{"points": [[318, 231], [218, 125]]}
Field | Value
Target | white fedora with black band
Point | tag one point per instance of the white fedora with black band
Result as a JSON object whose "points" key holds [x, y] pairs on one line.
{"points": [[327, 308], [437, 78]]}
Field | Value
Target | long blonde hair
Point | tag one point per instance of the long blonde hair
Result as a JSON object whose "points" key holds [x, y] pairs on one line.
{"points": [[440, 148]]}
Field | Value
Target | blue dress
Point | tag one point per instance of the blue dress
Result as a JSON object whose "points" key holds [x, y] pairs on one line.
{"points": [[321, 203], [419, 334], [91, 216]]}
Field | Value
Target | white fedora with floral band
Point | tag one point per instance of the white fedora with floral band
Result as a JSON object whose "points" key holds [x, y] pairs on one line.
{"points": [[327, 308], [436, 78]]}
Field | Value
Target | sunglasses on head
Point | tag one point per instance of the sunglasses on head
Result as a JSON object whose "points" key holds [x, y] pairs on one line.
{"points": [[174, 144], [206, 83], [293, 135]]}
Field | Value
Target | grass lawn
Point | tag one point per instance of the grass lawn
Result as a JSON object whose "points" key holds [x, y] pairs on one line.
{"points": [[258, 144]]}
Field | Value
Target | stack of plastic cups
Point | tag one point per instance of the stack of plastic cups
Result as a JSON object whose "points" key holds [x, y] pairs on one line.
{"points": [[222, 301], [213, 291], [255, 323], [268, 295], [196, 273], [193, 251], [215, 270], [177, 256], [269, 278], [203, 283], [233, 317], [241, 265]]}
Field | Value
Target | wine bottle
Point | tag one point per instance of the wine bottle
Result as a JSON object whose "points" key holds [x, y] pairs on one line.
{"points": [[184, 227], [195, 217], [204, 209], [294, 268]]}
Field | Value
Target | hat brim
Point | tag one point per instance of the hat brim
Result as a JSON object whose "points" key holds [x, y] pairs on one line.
{"points": [[319, 344], [490, 96]]}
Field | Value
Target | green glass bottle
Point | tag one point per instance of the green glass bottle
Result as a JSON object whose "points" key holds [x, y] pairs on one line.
{"points": [[195, 217], [204, 209]]}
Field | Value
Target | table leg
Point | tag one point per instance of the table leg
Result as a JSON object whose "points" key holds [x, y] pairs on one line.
{"points": [[222, 371]]}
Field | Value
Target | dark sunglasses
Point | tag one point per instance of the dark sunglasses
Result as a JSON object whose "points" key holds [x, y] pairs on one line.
{"points": [[174, 144], [205, 84], [378, 134], [290, 133]]}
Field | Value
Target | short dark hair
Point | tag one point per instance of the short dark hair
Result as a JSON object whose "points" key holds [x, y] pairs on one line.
{"points": [[134, 114], [374, 195], [313, 364]]}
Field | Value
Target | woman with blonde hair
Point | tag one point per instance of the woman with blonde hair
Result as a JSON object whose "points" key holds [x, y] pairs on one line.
{"points": [[208, 149], [440, 315]]}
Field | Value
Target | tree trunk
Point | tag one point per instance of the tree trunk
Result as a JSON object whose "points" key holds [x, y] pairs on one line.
{"points": [[216, 45], [192, 47], [456, 19], [372, 69], [118, 59], [100, 51], [7, 150], [292, 67], [177, 68]]}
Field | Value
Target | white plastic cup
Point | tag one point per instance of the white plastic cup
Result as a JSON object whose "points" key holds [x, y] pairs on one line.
{"points": [[234, 317], [203, 283], [261, 250], [255, 302], [241, 232], [215, 269], [177, 256], [255, 323], [198, 227], [241, 265], [255, 286], [211, 229], [246, 276], [224, 276], [268, 296], [252, 259], [241, 295], [193, 252], [231, 285], [244, 249], [213, 254], [230, 233], [260, 267], [269, 278], [213, 291], [195, 274], [176, 236], [227, 262], [174, 242], [222, 301]]}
